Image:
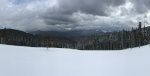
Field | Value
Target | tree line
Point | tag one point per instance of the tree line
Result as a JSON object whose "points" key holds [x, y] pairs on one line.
{"points": [[20, 38], [117, 40], [109, 41]]}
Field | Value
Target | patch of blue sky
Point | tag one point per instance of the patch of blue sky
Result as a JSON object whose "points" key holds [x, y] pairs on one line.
{"points": [[18, 2]]}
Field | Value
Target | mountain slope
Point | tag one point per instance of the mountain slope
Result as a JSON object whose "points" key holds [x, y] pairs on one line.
{"points": [[21, 38], [70, 34], [28, 61]]}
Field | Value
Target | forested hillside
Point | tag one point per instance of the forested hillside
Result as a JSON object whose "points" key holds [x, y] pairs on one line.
{"points": [[16, 37], [117, 40], [108, 41]]}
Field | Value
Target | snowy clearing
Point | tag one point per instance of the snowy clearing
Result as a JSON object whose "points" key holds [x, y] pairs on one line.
{"points": [[28, 61]]}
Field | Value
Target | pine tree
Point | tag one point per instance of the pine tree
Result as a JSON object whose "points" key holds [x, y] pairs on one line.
{"points": [[140, 34], [4, 36], [47, 42]]}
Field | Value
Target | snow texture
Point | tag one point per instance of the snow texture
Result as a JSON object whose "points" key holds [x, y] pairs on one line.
{"points": [[28, 61]]}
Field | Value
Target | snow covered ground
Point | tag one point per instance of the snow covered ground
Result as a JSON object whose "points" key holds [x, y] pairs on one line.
{"points": [[27, 61]]}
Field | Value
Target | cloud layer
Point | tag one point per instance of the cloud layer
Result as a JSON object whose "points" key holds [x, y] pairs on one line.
{"points": [[72, 14]]}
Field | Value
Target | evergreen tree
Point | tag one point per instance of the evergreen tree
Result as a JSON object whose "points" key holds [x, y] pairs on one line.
{"points": [[140, 34]]}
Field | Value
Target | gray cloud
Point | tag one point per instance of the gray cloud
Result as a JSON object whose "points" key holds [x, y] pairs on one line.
{"points": [[97, 7], [72, 14], [141, 6], [62, 14]]}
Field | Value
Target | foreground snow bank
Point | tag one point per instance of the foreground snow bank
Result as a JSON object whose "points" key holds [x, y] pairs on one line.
{"points": [[27, 61]]}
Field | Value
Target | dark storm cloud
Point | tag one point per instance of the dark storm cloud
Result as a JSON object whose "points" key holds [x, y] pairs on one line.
{"points": [[56, 18], [97, 7], [69, 14], [141, 6], [62, 13]]}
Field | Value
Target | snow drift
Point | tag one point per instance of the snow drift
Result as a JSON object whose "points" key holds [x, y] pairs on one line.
{"points": [[27, 61]]}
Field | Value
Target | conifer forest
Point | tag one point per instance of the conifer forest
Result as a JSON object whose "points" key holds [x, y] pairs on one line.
{"points": [[124, 39]]}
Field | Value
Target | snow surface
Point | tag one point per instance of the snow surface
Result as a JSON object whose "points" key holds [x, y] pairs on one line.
{"points": [[27, 61]]}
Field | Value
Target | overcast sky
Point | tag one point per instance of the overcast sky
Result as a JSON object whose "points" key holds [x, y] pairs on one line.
{"points": [[72, 14]]}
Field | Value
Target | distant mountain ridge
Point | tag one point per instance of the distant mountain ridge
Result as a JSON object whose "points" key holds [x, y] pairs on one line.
{"points": [[70, 34], [21, 38], [78, 39]]}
